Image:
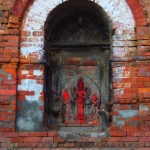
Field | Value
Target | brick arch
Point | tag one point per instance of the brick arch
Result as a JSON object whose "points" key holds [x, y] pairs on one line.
{"points": [[20, 6], [32, 47], [138, 12]]}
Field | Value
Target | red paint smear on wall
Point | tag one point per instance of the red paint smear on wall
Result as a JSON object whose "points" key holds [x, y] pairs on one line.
{"points": [[65, 97], [95, 99]]}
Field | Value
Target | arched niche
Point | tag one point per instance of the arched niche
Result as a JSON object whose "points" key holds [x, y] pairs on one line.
{"points": [[78, 44]]}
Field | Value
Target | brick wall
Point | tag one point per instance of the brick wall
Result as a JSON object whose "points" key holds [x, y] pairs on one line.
{"points": [[22, 75]]}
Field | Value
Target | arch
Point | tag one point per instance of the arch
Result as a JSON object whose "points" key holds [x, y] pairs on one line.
{"points": [[19, 9], [138, 12], [33, 24], [83, 28]]}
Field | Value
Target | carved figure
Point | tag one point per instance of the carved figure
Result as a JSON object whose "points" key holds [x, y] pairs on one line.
{"points": [[86, 103]]}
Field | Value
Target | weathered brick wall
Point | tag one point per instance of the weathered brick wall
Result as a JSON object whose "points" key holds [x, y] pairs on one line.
{"points": [[146, 4], [22, 75], [8, 58]]}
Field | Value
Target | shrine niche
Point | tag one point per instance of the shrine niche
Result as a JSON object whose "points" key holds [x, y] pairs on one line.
{"points": [[77, 74]]}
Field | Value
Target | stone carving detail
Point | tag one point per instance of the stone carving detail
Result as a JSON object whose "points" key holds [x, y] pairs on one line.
{"points": [[77, 30], [80, 105]]}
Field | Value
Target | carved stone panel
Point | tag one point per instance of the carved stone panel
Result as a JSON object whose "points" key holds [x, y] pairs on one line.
{"points": [[81, 99]]}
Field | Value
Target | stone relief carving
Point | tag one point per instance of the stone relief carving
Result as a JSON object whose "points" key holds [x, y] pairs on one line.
{"points": [[80, 104]]}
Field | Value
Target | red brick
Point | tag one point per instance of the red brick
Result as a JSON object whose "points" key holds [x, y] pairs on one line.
{"points": [[17, 139], [9, 44], [141, 73], [38, 33], [136, 133], [7, 92], [25, 33], [131, 139], [4, 139], [114, 128], [5, 129], [147, 123], [10, 51], [144, 79], [9, 134], [142, 29], [11, 38], [47, 139], [52, 134], [144, 128], [146, 118], [144, 139], [4, 32], [3, 82], [143, 42], [38, 134], [114, 139], [24, 145], [147, 95], [4, 97], [130, 128], [26, 93], [69, 145], [21, 98], [118, 133], [147, 133], [134, 107], [43, 149], [58, 140], [142, 36], [4, 118], [32, 139], [126, 95], [23, 134], [37, 144]]}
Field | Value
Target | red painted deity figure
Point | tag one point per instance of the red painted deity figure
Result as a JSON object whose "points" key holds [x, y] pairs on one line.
{"points": [[80, 105]]}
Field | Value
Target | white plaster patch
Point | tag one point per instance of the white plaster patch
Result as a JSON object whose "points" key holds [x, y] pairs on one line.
{"points": [[128, 113], [37, 49], [143, 107], [24, 72], [31, 85], [119, 52], [124, 85], [119, 91], [120, 73], [37, 72], [118, 11]]}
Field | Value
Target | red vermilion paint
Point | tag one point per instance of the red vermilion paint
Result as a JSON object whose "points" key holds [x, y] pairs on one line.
{"points": [[80, 100], [80, 106], [65, 97], [95, 99], [65, 102]]}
